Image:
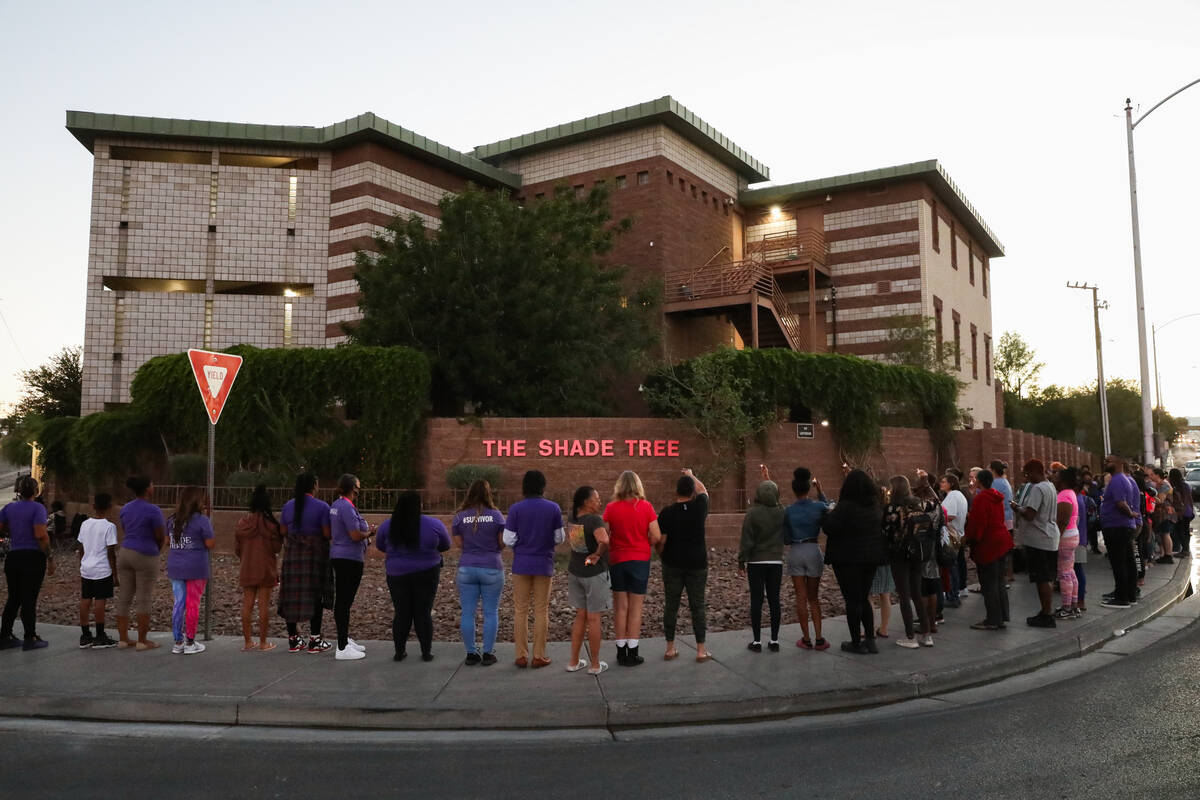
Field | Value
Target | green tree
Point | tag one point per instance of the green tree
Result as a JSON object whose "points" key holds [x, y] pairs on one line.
{"points": [[912, 342], [1016, 364], [54, 389], [516, 307]]}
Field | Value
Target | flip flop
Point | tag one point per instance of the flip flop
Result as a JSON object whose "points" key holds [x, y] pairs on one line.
{"points": [[583, 662], [268, 646], [246, 648], [596, 670], [146, 645], [671, 656], [880, 635], [703, 658]]}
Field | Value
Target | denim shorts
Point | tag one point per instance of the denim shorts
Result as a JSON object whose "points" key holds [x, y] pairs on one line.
{"points": [[630, 576], [805, 560]]}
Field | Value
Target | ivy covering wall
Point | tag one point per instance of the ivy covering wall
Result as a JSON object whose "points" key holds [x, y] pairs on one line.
{"points": [[856, 395]]}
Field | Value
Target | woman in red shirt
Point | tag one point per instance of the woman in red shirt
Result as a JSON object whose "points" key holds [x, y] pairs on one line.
{"points": [[990, 542], [633, 529]]}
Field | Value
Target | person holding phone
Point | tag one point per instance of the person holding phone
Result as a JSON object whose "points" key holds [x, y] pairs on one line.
{"points": [[589, 587]]}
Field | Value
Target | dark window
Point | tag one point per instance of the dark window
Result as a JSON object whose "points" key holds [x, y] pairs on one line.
{"points": [[643, 178], [670, 178], [953, 247], [579, 190], [974, 352], [599, 182], [682, 185], [987, 358], [936, 225], [937, 326], [620, 181], [693, 190], [957, 340], [540, 196], [971, 261], [986, 275]]}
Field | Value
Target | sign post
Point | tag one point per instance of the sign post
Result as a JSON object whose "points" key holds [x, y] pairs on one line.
{"points": [[215, 373]]}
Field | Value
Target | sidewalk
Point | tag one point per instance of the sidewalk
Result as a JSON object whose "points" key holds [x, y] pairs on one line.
{"points": [[226, 686]]}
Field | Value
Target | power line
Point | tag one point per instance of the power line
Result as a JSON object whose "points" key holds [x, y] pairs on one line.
{"points": [[16, 346]]}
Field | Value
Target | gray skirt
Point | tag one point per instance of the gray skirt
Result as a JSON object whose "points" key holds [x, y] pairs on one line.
{"points": [[883, 582]]}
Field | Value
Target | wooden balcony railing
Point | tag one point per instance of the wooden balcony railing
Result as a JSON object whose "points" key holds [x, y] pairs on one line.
{"points": [[802, 245]]}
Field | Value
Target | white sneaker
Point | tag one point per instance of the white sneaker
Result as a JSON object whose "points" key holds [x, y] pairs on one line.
{"points": [[348, 653], [911, 644], [927, 641], [177, 648], [351, 643], [194, 647]]}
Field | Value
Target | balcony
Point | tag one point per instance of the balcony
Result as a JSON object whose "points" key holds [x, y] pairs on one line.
{"points": [[788, 250]]}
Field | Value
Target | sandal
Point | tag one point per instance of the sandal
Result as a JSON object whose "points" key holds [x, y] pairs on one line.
{"points": [[146, 645], [804, 644], [248, 646], [268, 646], [581, 664], [703, 658], [596, 670], [880, 634], [670, 655]]}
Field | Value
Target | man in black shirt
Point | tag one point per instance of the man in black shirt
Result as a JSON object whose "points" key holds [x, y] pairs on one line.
{"points": [[684, 557]]}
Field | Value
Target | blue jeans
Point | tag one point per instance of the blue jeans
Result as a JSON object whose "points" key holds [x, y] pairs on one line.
{"points": [[475, 583]]}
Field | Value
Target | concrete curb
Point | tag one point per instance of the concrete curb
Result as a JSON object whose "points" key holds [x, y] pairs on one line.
{"points": [[607, 714]]}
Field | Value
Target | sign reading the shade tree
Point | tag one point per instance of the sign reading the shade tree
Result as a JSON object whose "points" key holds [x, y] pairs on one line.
{"points": [[215, 373]]}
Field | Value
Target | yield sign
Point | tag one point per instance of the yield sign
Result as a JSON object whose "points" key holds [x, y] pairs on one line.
{"points": [[214, 373]]}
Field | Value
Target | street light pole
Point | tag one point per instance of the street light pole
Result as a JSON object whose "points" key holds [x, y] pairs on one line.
{"points": [[1143, 356], [1097, 304]]}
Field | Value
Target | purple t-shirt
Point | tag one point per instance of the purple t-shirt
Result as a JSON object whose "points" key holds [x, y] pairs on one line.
{"points": [[534, 520], [1081, 500], [343, 518], [1120, 487], [187, 558], [139, 518], [480, 529], [315, 516], [19, 517], [432, 541]]}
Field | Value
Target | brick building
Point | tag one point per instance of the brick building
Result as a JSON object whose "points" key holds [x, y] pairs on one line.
{"points": [[213, 234]]}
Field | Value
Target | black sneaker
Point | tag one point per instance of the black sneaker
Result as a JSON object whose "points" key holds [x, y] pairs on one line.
{"points": [[773, 647], [488, 659], [871, 647], [102, 642], [1040, 620], [34, 643], [400, 655], [296, 644], [86, 640], [622, 654], [754, 647], [318, 645], [632, 659], [1113, 603], [472, 659], [427, 656], [9, 641]]}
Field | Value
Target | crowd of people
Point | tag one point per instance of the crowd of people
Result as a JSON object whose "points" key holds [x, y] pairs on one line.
{"points": [[909, 537]]}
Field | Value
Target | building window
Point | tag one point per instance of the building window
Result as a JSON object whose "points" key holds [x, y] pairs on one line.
{"points": [[704, 197], [670, 178], [971, 257], [953, 247], [986, 269], [287, 324], [579, 191], [212, 199], [957, 340], [693, 190], [682, 185], [974, 352], [620, 181], [936, 226], [987, 358], [292, 201], [643, 178], [542, 195], [937, 326]]}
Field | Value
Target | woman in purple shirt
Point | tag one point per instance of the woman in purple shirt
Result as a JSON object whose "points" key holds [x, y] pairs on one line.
{"points": [[145, 533], [305, 583], [478, 530], [27, 564], [414, 544], [349, 536], [191, 537]]}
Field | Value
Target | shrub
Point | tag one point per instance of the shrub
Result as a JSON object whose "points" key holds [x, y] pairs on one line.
{"points": [[461, 476], [190, 469], [244, 477]]}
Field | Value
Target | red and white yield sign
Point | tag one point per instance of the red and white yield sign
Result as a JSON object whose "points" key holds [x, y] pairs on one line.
{"points": [[215, 373]]}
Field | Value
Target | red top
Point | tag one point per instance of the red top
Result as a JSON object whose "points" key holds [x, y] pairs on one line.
{"points": [[629, 526], [986, 533]]}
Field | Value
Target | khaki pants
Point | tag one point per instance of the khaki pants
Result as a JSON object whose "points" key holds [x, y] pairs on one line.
{"points": [[137, 573], [527, 588]]}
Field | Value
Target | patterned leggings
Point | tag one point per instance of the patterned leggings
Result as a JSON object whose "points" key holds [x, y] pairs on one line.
{"points": [[1068, 584]]}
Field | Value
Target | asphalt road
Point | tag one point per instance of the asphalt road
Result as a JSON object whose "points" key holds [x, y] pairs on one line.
{"points": [[1129, 729]]}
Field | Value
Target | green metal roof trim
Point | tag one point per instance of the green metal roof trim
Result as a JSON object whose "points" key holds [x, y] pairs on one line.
{"points": [[87, 125], [665, 109], [930, 171]]}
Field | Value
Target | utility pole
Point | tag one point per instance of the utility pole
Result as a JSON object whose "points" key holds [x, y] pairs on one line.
{"points": [[1143, 356], [1098, 304]]}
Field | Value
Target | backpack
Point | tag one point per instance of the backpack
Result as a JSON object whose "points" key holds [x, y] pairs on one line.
{"points": [[922, 532]]}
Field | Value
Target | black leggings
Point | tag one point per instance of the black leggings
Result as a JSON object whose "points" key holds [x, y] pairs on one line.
{"points": [[766, 577], [412, 600], [347, 575], [855, 582], [907, 575], [314, 624], [24, 570]]}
